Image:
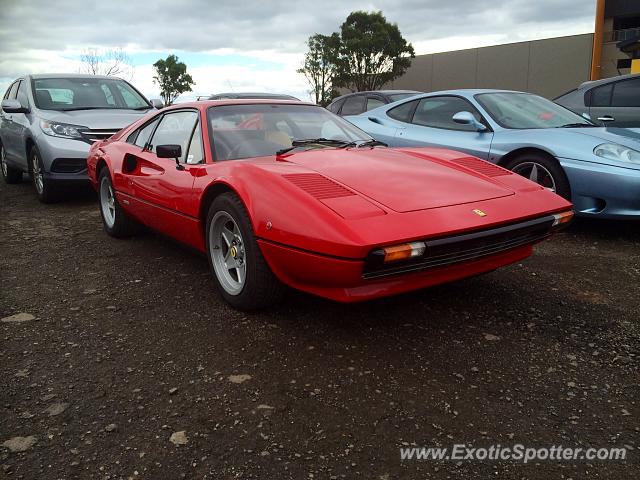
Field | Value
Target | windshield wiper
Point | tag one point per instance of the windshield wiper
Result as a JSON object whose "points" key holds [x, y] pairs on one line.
{"points": [[146, 107], [366, 143], [576, 125], [85, 108], [313, 141]]}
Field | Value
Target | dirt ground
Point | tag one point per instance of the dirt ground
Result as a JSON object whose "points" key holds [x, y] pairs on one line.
{"points": [[133, 367]]}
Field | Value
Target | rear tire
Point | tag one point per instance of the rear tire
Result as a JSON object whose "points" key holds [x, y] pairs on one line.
{"points": [[542, 169], [242, 275], [115, 221], [10, 175], [45, 188]]}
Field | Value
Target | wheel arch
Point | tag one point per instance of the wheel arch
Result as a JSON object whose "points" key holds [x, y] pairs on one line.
{"points": [[214, 190], [28, 145], [505, 159]]}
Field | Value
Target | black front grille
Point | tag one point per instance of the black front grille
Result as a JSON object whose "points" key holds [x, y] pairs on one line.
{"points": [[69, 165], [94, 135], [462, 248]]}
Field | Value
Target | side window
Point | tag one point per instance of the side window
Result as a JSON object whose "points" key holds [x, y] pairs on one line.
{"points": [[175, 129], [437, 112], [194, 154], [626, 93], [374, 103], [8, 92], [11, 94], [599, 97], [22, 96], [353, 105], [404, 112], [141, 137], [335, 106]]}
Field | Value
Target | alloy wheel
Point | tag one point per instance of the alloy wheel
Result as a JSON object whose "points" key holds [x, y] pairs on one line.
{"points": [[536, 173], [36, 171], [227, 253], [107, 202]]}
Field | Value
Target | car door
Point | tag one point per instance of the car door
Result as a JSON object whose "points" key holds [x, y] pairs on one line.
{"points": [[615, 104], [162, 188], [432, 124], [7, 127]]}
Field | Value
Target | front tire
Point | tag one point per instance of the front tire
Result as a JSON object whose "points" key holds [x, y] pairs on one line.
{"points": [[242, 275], [115, 221], [10, 175], [543, 170], [44, 187]]}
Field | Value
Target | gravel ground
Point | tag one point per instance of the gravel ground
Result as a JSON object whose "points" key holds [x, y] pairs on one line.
{"points": [[127, 364]]}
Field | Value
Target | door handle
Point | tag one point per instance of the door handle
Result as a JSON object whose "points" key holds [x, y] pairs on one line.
{"points": [[606, 118]]}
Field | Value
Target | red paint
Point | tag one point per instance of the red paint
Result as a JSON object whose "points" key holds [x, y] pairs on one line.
{"points": [[317, 241]]}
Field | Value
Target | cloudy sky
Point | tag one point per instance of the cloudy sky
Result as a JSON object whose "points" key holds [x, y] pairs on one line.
{"points": [[231, 45]]}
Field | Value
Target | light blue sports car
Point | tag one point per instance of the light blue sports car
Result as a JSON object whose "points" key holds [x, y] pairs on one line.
{"points": [[597, 168]]}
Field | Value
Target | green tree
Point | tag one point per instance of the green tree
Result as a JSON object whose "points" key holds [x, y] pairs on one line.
{"points": [[172, 77], [372, 52], [320, 66]]}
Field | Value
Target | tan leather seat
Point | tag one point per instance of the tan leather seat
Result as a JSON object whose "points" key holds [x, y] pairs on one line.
{"points": [[276, 136]]}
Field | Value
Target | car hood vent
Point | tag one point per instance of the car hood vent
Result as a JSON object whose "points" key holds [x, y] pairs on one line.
{"points": [[481, 166], [318, 186]]}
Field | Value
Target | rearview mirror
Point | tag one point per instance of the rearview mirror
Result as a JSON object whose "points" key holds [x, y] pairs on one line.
{"points": [[156, 103], [13, 106], [467, 118]]}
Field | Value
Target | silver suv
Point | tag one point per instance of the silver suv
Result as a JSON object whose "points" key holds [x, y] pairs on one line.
{"points": [[48, 123]]}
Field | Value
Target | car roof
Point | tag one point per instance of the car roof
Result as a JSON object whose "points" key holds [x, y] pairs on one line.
{"points": [[383, 92], [70, 75], [238, 101], [254, 95], [602, 81]]}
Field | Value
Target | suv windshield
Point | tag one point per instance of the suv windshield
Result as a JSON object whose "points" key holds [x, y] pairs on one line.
{"points": [[524, 110], [85, 93], [259, 130]]}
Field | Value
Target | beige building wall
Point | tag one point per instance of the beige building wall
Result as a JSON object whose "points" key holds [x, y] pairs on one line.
{"points": [[547, 67]]}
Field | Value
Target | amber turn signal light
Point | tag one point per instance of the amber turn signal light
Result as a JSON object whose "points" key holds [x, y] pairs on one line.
{"points": [[562, 219], [403, 251]]}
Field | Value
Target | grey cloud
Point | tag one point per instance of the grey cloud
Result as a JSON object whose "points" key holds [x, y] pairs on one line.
{"points": [[280, 25]]}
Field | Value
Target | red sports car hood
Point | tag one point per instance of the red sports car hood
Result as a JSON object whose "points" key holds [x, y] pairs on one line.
{"points": [[401, 181]]}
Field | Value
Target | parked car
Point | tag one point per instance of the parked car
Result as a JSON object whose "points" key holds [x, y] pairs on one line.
{"points": [[249, 95], [610, 102], [359, 102], [597, 168], [48, 122], [276, 192]]}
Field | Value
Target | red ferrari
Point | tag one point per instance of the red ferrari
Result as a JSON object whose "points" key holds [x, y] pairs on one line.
{"points": [[286, 193]]}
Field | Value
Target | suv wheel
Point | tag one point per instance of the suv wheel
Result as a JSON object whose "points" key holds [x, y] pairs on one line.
{"points": [[45, 188], [9, 174]]}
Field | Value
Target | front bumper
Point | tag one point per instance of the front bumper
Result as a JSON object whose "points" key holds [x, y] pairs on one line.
{"points": [[64, 160], [603, 191], [342, 280]]}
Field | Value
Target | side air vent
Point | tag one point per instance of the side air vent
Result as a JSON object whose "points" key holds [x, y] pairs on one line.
{"points": [[481, 166], [318, 186]]}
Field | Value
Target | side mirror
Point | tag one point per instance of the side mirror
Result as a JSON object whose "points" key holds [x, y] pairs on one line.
{"points": [[170, 151], [467, 118], [156, 103], [13, 106]]}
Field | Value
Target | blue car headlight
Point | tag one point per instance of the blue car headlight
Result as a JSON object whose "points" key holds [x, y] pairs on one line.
{"points": [[63, 130], [619, 153]]}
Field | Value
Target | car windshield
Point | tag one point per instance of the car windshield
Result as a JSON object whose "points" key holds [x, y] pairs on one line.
{"points": [[258, 130], [524, 110], [86, 93]]}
